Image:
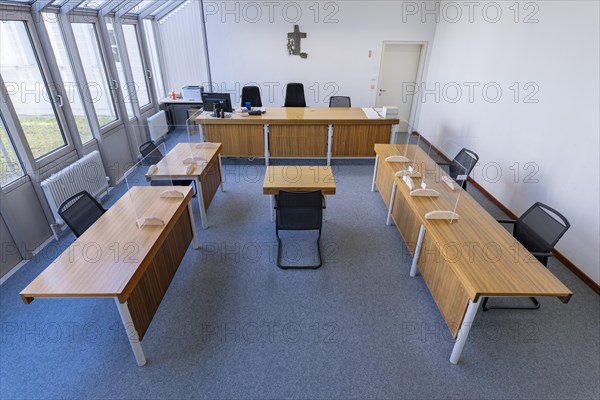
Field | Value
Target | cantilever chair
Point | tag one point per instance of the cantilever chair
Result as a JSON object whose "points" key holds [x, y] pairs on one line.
{"points": [[294, 95], [251, 94], [339, 101], [299, 211], [463, 164], [538, 230], [151, 155], [80, 211]]}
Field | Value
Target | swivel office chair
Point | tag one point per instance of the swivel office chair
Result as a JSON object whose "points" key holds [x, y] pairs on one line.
{"points": [[339, 101], [251, 94], [80, 211], [294, 95], [538, 230], [299, 211], [463, 164]]}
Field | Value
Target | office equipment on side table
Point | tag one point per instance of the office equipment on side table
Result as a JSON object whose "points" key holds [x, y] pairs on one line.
{"points": [[192, 93]]}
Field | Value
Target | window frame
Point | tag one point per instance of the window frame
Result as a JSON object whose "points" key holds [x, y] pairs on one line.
{"points": [[142, 52], [106, 63], [10, 115]]}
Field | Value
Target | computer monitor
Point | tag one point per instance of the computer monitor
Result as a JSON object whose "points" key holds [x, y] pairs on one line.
{"points": [[210, 99]]}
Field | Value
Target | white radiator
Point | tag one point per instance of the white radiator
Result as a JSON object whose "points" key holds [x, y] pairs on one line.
{"points": [[85, 174], [157, 124]]}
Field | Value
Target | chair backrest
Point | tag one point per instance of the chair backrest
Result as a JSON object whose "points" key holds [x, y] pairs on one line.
{"points": [[80, 212], [251, 94], [299, 210], [339, 101], [463, 164], [540, 228], [294, 95], [150, 153]]}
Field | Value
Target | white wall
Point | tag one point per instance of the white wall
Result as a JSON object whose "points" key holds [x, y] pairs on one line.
{"points": [[559, 134], [248, 44]]}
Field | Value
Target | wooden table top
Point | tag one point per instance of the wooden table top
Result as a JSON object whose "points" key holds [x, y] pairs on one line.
{"points": [[111, 256], [298, 116], [299, 178], [172, 164], [488, 260]]}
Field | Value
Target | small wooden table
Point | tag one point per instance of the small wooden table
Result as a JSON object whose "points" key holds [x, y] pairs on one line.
{"points": [[132, 265], [206, 174], [297, 178]]}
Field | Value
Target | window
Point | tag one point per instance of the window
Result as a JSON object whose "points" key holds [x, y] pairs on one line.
{"points": [[10, 164], [110, 26], [137, 66], [28, 90], [154, 60], [71, 90], [95, 72]]}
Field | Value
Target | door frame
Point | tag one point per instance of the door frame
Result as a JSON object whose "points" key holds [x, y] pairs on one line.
{"points": [[420, 68]]}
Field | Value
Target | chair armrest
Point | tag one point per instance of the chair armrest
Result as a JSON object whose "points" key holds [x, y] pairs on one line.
{"points": [[541, 254], [506, 221]]}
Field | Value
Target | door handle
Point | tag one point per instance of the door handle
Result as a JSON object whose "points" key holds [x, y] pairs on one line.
{"points": [[382, 90], [149, 74], [59, 100], [115, 84]]}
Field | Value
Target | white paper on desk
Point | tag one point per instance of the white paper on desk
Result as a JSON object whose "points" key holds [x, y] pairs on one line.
{"points": [[371, 113]]}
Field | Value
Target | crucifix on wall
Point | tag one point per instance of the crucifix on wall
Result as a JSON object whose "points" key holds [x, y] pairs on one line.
{"points": [[294, 45]]}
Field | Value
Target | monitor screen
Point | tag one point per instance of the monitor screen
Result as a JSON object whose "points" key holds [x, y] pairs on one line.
{"points": [[210, 99]]}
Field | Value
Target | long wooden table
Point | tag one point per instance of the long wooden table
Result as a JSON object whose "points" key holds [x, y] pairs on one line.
{"points": [[462, 261], [132, 265], [299, 133], [207, 173]]}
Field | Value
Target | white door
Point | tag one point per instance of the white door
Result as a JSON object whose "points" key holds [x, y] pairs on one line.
{"points": [[397, 76]]}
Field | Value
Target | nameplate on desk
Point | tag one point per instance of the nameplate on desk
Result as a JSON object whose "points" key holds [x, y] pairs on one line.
{"points": [[442, 214], [397, 159], [424, 193], [171, 194], [194, 161], [152, 170], [406, 172], [409, 182], [150, 221], [189, 169], [450, 182]]}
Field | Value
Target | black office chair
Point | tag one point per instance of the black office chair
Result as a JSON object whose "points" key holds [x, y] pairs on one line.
{"points": [[339, 101], [151, 155], [463, 164], [299, 211], [80, 212], [294, 95], [538, 230], [251, 94]]}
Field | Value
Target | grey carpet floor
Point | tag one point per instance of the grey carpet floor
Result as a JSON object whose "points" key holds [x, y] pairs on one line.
{"points": [[233, 325]]}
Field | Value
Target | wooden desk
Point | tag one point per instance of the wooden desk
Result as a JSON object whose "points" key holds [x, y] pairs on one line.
{"points": [[207, 175], [134, 266], [462, 262], [299, 133], [297, 178]]}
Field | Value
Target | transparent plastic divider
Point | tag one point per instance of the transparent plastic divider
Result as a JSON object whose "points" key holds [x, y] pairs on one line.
{"points": [[452, 182], [149, 171], [428, 169], [410, 170], [196, 145]]}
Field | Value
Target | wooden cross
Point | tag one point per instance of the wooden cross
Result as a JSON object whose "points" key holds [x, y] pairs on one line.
{"points": [[294, 42]]}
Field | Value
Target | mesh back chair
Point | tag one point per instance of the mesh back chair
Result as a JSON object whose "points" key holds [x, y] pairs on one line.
{"points": [[294, 95], [463, 164], [80, 212], [538, 230], [299, 211], [251, 94], [151, 155], [339, 101]]}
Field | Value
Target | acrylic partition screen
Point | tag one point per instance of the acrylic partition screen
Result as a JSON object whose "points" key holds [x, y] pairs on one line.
{"points": [[450, 187], [148, 171]]}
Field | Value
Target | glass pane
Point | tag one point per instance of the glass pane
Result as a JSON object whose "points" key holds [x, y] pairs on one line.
{"points": [[94, 4], [95, 72], [9, 162], [154, 60], [28, 90], [119, 63], [71, 92], [137, 66]]}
